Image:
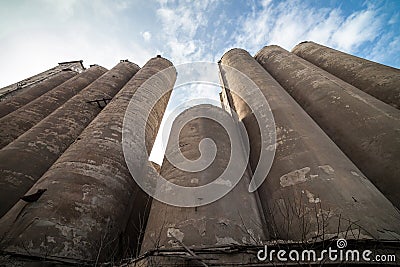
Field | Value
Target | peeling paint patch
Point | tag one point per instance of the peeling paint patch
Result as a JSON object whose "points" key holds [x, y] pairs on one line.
{"points": [[85, 191], [116, 128], [294, 177], [13, 181], [83, 208], [327, 169], [312, 198], [65, 230], [174, 232], [50, 239]]}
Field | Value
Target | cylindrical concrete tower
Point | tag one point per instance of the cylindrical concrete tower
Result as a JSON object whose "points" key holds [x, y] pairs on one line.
{"points": [[26, 159], [90, 193], [313, 191], [376, 79], [232, 219], [17, 101], [365, 129], [16, 123], [28, 83]]}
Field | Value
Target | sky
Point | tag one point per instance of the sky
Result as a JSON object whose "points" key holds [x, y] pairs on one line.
{"points": [[37, 34]]}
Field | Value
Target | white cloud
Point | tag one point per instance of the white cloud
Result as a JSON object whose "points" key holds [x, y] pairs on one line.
{"points": [[181, 23], [62, 32], [36, 37], [146, 36], [356, 29], [388, 46], [34, 52], [64, 9], [290, 22]]}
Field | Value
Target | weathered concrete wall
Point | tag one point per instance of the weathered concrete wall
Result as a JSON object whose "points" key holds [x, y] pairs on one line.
{"points": [[136, 225], [90, 193], [26, 84], [233, 219], [24, 118], [313, 191], [27, 158], [365, 129], [156, 166], [376, 79], [13, 103]]}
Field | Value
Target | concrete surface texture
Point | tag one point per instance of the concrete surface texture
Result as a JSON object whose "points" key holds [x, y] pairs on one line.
{"points": [[74, 143], [27, 158], [365, 129], [26, 84], [313, 191], [10, 104], [83, 215], [16, 123], [373, 78], [232, 219]]}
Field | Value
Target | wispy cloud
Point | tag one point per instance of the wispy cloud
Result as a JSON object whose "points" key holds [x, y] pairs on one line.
{"points": [[290, 22], [40, 33], [146, 36], [37, 34], [182, 23], [360, 27]]}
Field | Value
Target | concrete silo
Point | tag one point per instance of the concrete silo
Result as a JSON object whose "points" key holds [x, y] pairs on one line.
{"points": [[82, 217], [234, 219], [16, 123], [15, 102], [364, 128], [380, 81], [313, 191], [26, 159], [28, 83]]}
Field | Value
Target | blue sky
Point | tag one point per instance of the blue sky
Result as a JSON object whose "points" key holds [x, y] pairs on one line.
{"points": [[37, 34]]}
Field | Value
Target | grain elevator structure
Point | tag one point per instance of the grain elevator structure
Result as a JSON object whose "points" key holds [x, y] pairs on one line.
{"points": [[68, 196]]}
